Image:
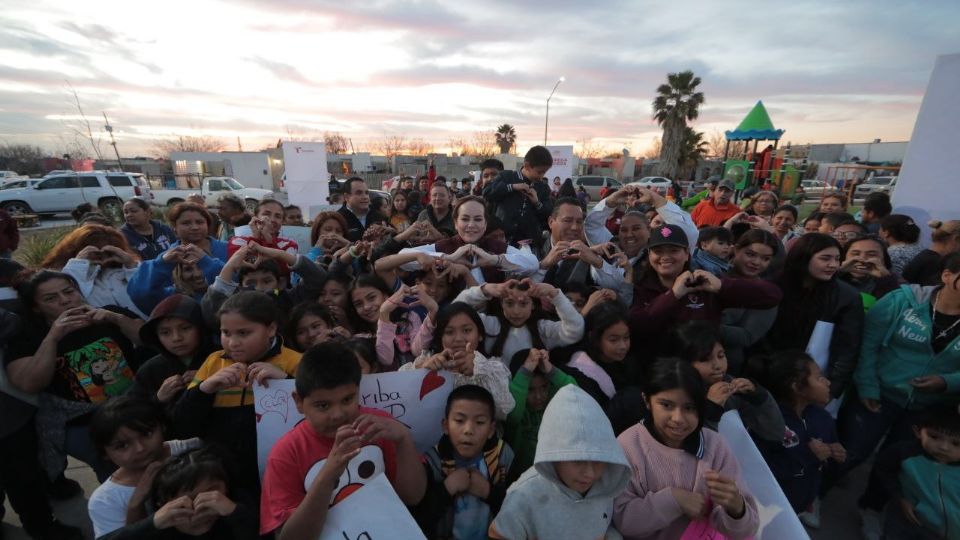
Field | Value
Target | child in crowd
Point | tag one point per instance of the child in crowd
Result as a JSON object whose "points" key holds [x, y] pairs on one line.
{"points": [[681, 473], [698, 342], [534, 383], [922, 479], [312, 324], [604, 368], [259, 268], [296, 492], [218, 403], [335, 296], [516, 320], [714, 246], [457, 347], [265, 228], [809, 441], [579, 469], [467, 470], [129, 432], [175, 329], [193, 496], [366, 354], [401, 316], [367, 293]]}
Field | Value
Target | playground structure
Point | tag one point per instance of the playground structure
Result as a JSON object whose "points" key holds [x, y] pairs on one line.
{"points": [[753, 168]]}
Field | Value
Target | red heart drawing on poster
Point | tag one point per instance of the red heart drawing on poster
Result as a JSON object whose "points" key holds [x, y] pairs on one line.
{"points": [[431, 382]]}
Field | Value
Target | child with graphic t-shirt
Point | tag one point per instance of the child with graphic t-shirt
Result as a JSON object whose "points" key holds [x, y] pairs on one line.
{"points": [[336, 428]]}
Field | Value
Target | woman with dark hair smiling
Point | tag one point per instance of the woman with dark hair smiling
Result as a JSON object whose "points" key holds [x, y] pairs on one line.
{"points": [[812, 294]]}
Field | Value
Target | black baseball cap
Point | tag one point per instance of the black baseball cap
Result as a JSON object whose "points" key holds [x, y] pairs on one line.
{"points": [[668, 235]]}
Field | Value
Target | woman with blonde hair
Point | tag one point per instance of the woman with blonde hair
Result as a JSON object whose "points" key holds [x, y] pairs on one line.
{"points": [[101, 261], [926, 267]]}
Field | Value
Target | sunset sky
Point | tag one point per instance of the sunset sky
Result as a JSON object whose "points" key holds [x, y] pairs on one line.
{"points": [[827, 71]]}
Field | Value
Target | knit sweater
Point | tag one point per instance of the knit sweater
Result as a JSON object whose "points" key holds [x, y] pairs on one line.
{"points": [[647, 507]]}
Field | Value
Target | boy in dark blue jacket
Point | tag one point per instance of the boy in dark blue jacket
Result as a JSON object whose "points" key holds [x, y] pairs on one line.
{"points": [[521, 199]]}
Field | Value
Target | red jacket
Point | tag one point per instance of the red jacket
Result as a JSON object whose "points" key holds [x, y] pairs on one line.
{"points": [[708, 214]]}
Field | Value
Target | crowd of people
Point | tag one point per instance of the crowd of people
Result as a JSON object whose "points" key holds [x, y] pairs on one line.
{"points": [[593, 350]]}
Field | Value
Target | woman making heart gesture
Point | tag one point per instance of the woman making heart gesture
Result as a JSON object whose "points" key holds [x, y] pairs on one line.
{"points": [[488, 258], [668, 293]]}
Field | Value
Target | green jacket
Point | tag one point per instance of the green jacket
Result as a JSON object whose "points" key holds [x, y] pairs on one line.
{"points": [[932, 488], [523, 425], [896, 348]]}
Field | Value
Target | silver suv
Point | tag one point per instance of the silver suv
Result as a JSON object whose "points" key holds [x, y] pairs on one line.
{"points": [[61, 193]]}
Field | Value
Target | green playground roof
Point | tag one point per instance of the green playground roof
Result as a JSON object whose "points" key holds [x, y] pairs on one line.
{"points": [[756, 125]]}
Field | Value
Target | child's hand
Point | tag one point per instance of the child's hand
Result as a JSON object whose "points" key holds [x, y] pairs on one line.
{"points": [[597, 297], [170, 387], [261, 372], [931, 383], [540, 290], [175, 512], [462, 362], [743, 386], [457, 482], [395, 301], [213, 503], [820, 449], [144, 485], [372, 428], [532, 361], [837, 452], [499, 290], [434, 362], [725, 492], [346, 446], [908, 512], [427, 301], [692, 504], [479, 486], [545, 366], [227, 377], [720, 391]]}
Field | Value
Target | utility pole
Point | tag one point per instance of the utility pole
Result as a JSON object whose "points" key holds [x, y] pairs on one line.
{"points": [[113, 142], [546, 120], [239, 146]]}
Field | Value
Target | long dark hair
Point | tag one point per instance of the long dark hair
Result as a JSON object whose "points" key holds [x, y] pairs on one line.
{"points": [[29, 283], [443, 320], [300, 311], [672, 373], [495, 308], [597, 321], [797, 263], [365, 280]]}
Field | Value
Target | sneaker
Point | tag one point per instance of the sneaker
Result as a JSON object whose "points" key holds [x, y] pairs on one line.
{"points": [[57, 531], [871, 524], [811, 517], [63, 489]]}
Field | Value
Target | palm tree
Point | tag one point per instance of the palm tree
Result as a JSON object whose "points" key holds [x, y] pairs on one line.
{"points": [[506, 136], [677, 102], [692, 150]]}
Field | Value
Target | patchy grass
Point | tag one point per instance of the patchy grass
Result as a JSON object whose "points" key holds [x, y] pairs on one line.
{"points": [[35, 245]]}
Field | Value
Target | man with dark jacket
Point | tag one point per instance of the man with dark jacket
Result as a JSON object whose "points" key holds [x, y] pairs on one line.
{"points": [[521, 198], [438, 212], [356, 209]]}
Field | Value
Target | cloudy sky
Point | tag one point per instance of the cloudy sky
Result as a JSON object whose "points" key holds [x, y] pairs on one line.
{"points": [[828, 71]]}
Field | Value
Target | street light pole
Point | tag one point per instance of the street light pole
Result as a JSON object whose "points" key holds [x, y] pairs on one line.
{"points": [[546, 121]]}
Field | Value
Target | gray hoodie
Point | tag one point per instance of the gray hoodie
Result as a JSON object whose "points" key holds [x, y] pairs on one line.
{"points": [[538, 505]]}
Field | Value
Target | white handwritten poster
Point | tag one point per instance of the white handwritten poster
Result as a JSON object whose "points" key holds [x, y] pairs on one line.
{"points": [[351, 518], [415, 398]]}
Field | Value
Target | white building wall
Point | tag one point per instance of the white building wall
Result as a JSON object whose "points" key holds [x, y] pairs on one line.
{"points": [[883, 151]]}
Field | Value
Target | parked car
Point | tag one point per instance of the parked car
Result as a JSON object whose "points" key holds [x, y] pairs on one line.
{"points": [[62, 193], [877, 183], [16, 183], [9, 175], [594, 184], [212, 188], [815, 189], [658, 183]]}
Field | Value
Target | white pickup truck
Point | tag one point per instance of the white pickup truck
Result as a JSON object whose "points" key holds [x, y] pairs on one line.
{"points": [[212, 189]]}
